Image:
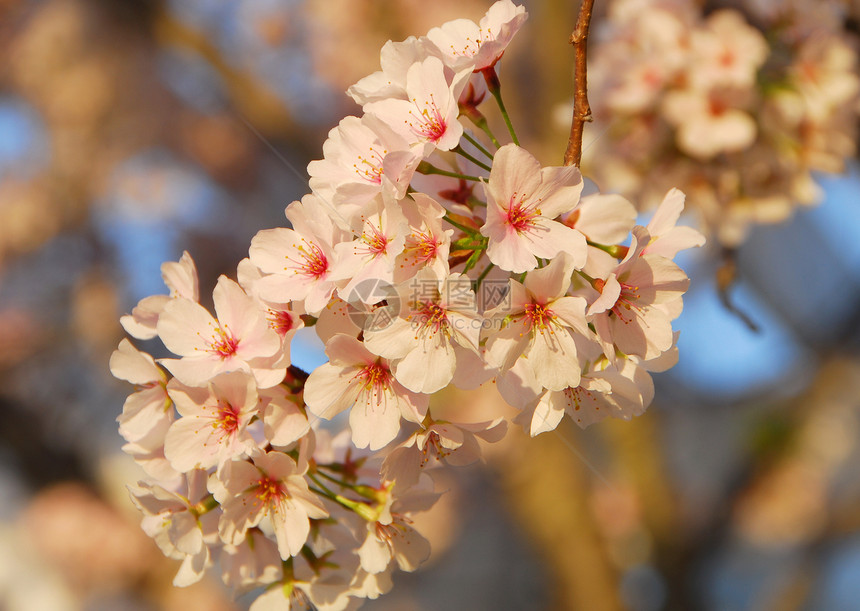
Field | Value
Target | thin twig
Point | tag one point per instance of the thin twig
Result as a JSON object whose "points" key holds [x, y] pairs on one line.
{"points": [[581, 109]]}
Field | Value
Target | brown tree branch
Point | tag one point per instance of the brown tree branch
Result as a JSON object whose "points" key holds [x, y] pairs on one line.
{"points": [[581, 109]]}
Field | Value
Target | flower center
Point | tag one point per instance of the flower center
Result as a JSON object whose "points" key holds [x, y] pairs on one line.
{"points": [[370, 168], [375, 377], [432, 316], [539, 315], [519, 215], [312, 260], [429, 122], [228, 418], [377, 242], [270, 491], [224, 344], [626, 305], [433, 447], [424, 245], [281, 321]]}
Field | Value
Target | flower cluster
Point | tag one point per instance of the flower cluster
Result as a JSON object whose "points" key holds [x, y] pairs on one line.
{"points": [[422, 260], [737, 115]]}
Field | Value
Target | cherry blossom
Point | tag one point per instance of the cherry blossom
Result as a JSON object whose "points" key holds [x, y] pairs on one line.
{"points": [[240, 338], [635, 309], [362, 158], [523, 200], [297, 262], [270, 487], [557, 301], [181, 279], [436, 313], [358, 379], [372, 255], [538, 326], [465, 44], [214, 423], [427, 118], [439, 442], [184, 525]]}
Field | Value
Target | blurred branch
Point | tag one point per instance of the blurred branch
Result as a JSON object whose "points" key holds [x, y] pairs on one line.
{"points": [[727, 275], [550, 494], [260, 105]]}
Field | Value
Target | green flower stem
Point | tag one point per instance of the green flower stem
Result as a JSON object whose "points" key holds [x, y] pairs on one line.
{"points": [[495, 88], [470, 242], [362, 509], [459, 150], [477, 145], [498, 96], [366, 491], [427, 168], [462, 228], [476, 202], [483, 275], [473, 259], [617, 251], [480, 122]]}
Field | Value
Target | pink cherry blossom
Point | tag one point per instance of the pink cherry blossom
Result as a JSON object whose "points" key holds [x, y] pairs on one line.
{"points": [[436, 313], [667, 237], [636, 306], [214, 426], [395, 59], [181, 278], [372, 255], [466, 44], [428, 243], [240, 338], [538, 326], [270, 486], [392, 538], [428, 117], [355, 378], [181, 524], [523, 200], [439, 442], [298, 261], [709, 122], [362, 158], [146, 414]]}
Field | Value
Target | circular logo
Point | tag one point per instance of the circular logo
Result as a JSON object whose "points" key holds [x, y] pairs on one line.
{"points": [[373, 304]]}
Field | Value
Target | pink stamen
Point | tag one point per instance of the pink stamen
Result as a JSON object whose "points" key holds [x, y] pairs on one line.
{"points": [[370, 168], [228, 418], [539, 315], [312, 260], [270, 491], [374, 377], [282, 321], [377, 242], [225, 345], [627, 301], [519, 215], [429, 122]]}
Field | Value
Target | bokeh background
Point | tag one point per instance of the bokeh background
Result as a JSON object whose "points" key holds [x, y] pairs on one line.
{"points": [[133, 130]]}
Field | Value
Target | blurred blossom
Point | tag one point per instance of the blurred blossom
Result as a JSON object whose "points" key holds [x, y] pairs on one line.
{"points": [[192, 78], [23, 140], [60, 524], [150, 199]]}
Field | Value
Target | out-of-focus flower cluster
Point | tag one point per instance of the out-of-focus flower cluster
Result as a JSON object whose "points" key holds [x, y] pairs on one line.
{"points": [[421, 259], [738, 110]]}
